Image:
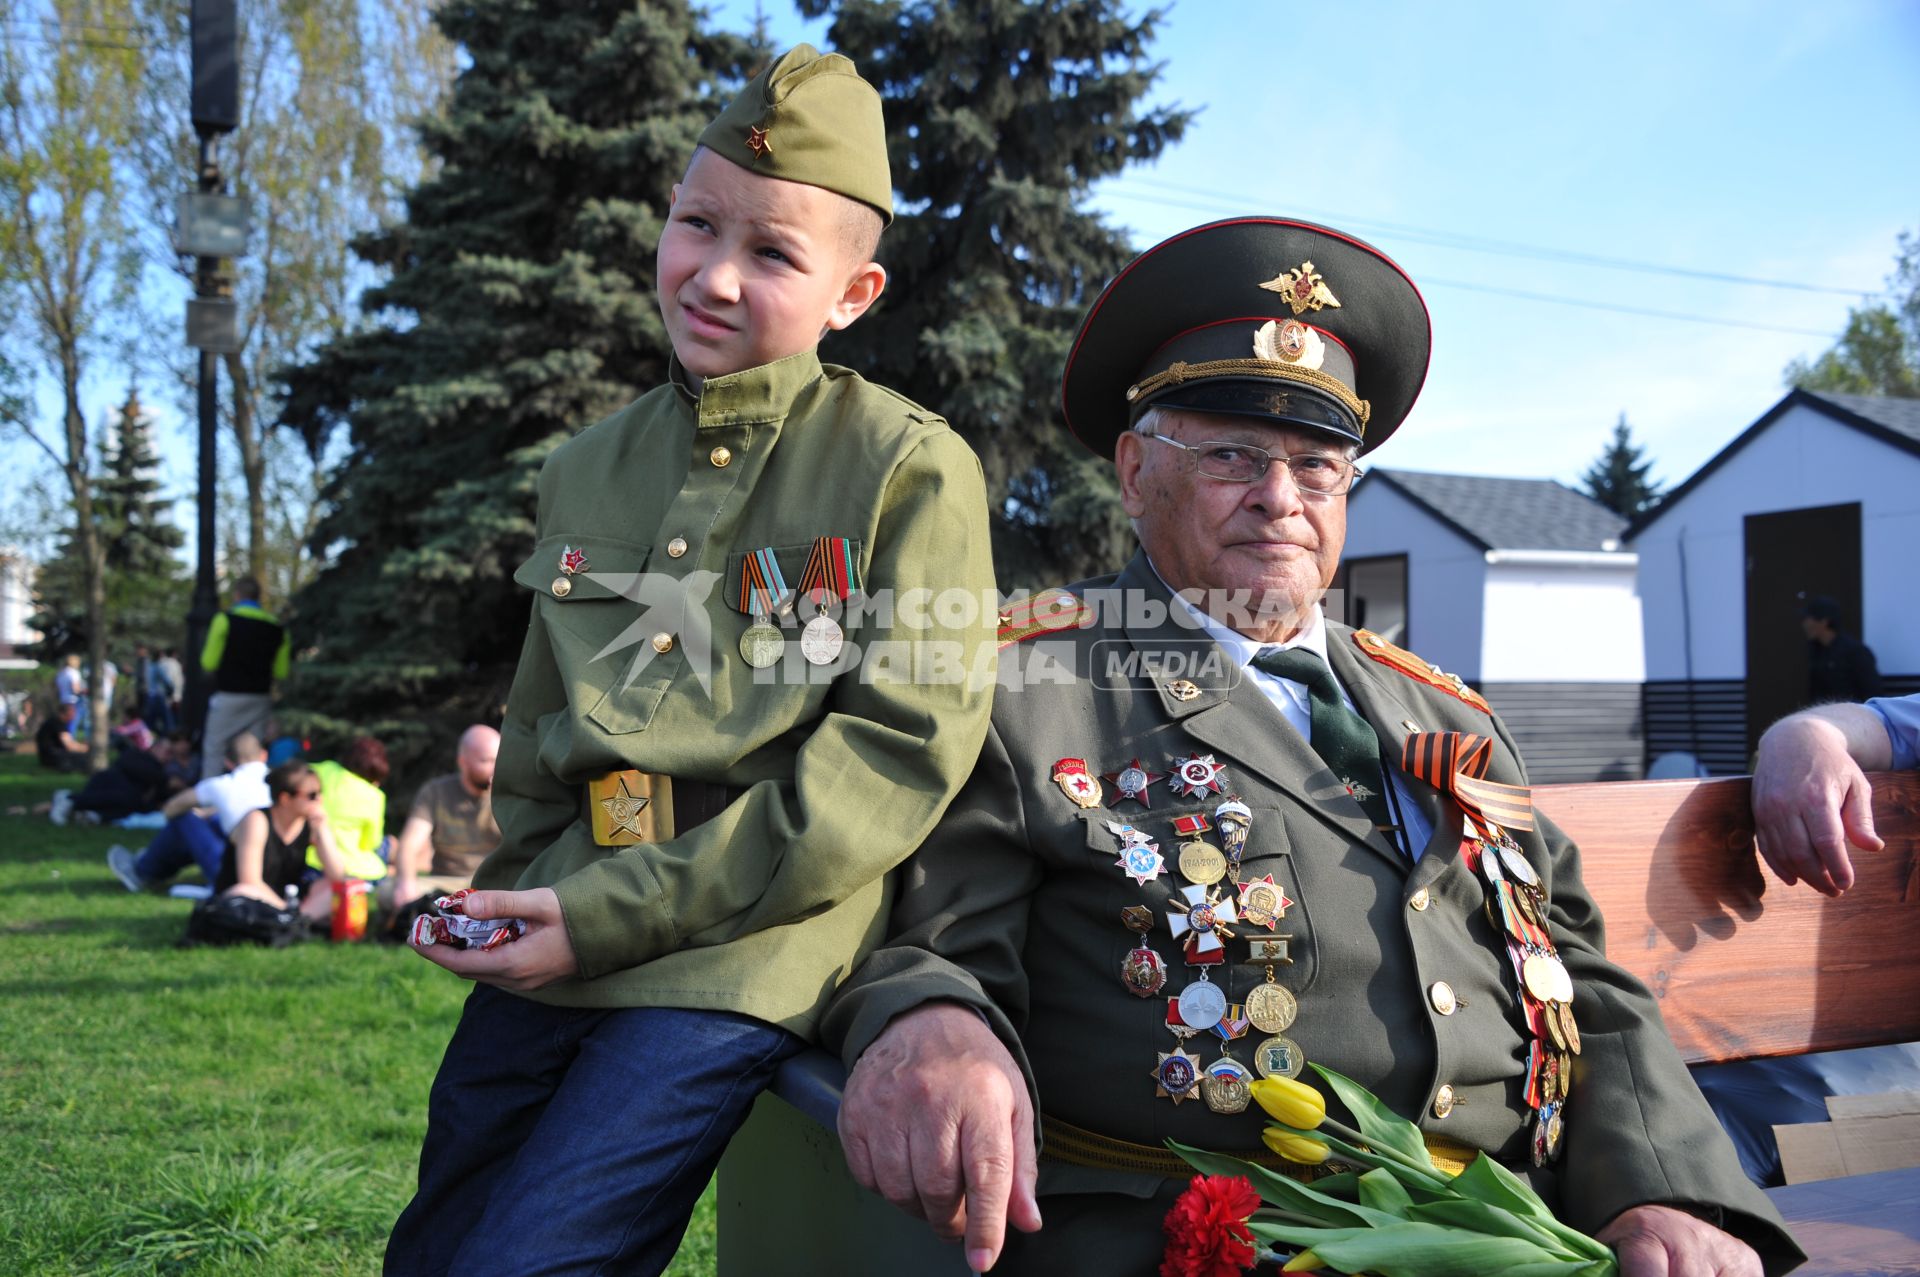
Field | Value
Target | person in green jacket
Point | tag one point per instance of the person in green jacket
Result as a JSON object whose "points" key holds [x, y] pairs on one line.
{"points": [[759, 666]]}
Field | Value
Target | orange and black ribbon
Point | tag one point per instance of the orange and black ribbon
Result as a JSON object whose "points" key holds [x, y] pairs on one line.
{"points": [[832, 572], [1456, 763]]}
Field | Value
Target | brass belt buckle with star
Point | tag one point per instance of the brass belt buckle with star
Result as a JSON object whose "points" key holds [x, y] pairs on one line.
{"points": [[625, 807]]}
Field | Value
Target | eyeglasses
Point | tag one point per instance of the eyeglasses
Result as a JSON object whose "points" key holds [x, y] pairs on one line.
{"points": [[1316, 474], [309, 794]]}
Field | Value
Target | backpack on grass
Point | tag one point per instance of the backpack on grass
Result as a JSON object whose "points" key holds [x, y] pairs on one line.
{"points": [[242, 920]]}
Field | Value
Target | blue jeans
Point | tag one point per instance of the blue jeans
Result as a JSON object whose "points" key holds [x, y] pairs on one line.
{"points": [[188, 839], [562, 1140]]}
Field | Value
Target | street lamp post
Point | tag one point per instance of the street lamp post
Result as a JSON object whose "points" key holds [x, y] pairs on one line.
{"points": [[212, 226]]}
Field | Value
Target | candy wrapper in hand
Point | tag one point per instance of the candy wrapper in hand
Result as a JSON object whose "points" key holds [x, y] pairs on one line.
{"points": [[451, 926]]}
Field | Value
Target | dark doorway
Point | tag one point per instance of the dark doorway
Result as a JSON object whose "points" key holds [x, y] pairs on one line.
{"points": [[1374, 591], [1790, 555]]}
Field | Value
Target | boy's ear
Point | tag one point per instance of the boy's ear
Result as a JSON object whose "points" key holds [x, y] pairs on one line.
{"points": [[862, 291], [673, 196]]}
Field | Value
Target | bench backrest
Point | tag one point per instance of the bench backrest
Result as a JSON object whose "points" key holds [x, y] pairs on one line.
{"points": [[1744, 965]]}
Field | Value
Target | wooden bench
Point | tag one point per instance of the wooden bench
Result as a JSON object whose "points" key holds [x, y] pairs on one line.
{"points": [[1744, 966]]}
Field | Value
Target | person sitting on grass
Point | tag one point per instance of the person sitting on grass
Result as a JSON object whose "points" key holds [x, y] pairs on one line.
{"points": [[267, 853], [357, 808], [55, 744], [199, 821], [136, 781]]}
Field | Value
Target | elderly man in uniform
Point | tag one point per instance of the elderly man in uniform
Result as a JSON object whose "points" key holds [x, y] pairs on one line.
{"points": [[1213, 833]]}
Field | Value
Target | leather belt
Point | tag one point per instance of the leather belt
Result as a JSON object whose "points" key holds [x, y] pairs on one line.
{"points": [[628, 807], [1072, 1146]]}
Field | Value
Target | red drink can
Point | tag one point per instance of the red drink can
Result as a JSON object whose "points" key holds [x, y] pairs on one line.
{"points": [[350, 909]]}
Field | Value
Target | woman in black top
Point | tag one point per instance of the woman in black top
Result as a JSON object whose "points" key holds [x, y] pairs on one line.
{"points": [[267, 851]]}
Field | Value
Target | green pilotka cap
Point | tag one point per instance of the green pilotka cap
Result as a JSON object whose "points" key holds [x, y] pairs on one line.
{"points": [[810, 118]]}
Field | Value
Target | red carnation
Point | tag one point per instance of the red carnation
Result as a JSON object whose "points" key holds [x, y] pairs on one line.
{"points": [[1207, 1234]]}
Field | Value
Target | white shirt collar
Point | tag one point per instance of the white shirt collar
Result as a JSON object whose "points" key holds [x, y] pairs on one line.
{"points": [[1243, 649]]}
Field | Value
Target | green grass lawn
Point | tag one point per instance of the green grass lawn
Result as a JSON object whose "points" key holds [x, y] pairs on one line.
{"points": [[199, 1111]]}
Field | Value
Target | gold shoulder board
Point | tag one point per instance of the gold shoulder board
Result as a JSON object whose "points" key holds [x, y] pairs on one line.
{"points": [[1413, 667], [1047, 612]]}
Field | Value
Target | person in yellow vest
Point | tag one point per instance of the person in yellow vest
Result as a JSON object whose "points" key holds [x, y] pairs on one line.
{"points": [[715, 749], [355, 799]]}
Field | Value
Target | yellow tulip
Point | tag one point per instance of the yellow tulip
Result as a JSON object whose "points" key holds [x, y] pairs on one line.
{"points": [[1285, 1100], [1305, 1262], [1295, 1148]]}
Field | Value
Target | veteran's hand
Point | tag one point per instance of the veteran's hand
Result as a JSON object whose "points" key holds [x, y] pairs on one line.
{"points": [[538, 958], [1659, 1241], [936, 1119], [1810, 799]]}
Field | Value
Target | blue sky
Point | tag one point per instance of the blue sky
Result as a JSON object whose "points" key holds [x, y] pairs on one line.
{"points": [[1765, 140]]}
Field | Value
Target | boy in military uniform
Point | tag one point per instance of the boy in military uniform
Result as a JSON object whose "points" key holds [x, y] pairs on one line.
{"points": [[1242, 837], [700, 787]]}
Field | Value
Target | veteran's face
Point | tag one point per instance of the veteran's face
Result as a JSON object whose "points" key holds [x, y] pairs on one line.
{"points": [[1262, 540]]}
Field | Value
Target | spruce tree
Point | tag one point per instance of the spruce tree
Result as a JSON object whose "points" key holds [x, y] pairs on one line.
{"points": [[146, 585], [1001, 114], [1618, 479], [519, 309]]}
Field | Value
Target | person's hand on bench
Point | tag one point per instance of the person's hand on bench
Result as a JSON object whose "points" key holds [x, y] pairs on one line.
{"points": [[1811, 797], [937, 1120]]}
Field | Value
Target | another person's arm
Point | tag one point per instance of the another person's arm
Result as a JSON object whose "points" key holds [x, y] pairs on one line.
{"points": [[181, 803], [414, 857], [216, 644], [1810, 793], [320, 834]]}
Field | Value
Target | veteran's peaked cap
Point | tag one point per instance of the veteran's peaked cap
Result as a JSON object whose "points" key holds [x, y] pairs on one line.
{"points": [[1260, 316]]}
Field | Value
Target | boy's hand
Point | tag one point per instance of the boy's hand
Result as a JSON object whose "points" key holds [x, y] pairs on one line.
{"points": [[538, 958]]}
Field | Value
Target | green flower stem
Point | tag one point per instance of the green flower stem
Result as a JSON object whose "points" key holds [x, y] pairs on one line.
{"points": [[1350, 1144]]}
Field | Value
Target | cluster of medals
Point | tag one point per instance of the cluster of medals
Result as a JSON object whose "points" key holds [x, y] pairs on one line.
{"points": [[832, 575], [1202, 917], [1517, 907]]}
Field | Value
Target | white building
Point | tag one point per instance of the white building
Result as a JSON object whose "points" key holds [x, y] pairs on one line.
{"points": [[1821, 496], [16, 605], [1521, 587]]}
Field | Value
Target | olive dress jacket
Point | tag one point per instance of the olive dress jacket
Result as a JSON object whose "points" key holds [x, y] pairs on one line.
{"points": [[633, 661], [1014, 907]]}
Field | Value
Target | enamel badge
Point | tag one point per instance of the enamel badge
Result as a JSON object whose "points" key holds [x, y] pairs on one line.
{"points": [[1196, 775], [1139, 855], [572, 563], [1132, 781], [762, 146], [1203, 920], [1077, 783]]}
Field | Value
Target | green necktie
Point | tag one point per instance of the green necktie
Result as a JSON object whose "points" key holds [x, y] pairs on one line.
{"points": [[1343, 739]]}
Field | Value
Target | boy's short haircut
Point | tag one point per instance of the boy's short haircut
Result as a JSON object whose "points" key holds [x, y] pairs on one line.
{"points": [[860, 228]]}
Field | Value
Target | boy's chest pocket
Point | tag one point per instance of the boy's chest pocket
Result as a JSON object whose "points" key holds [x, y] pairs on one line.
{"points": [[615, 638]]}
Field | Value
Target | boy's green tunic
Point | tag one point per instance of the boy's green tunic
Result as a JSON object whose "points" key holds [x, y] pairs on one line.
{"points": [[765, 908]]}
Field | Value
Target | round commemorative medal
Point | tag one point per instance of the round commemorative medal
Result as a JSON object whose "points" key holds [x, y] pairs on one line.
{"points": [[1202, 862], [1272, 1007], [1262, 902], [1546, 978], [761, 644], [1224, 1086], [1279, 1057], [821, 640], [1202, 1004], [1516, 863]]}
